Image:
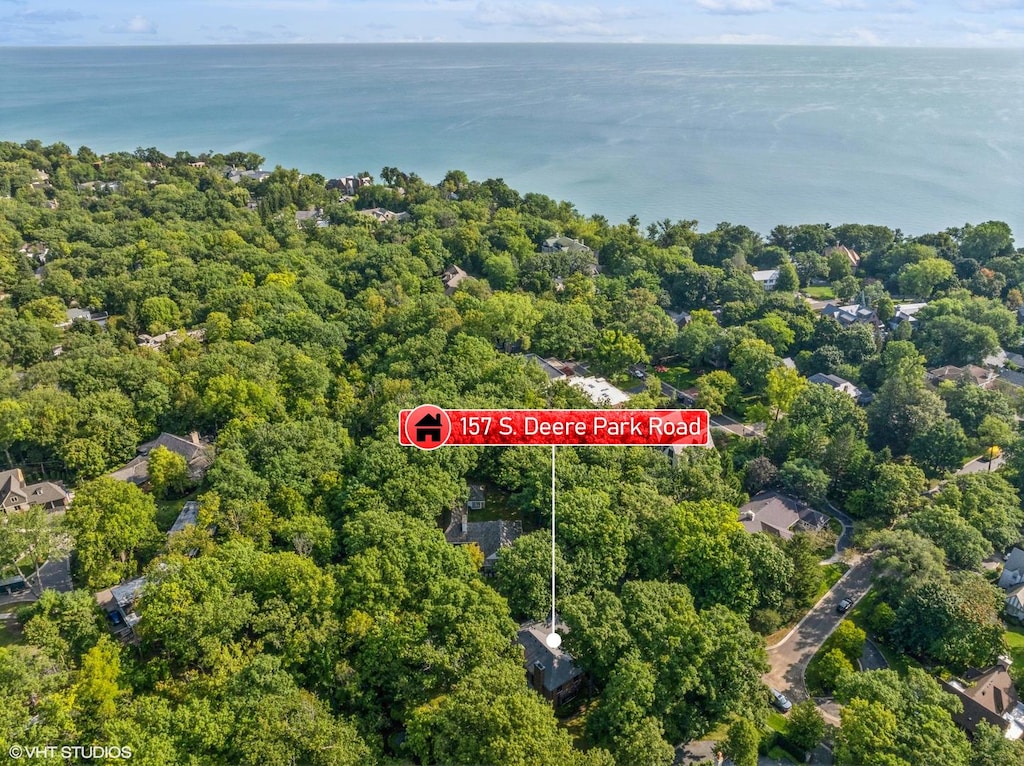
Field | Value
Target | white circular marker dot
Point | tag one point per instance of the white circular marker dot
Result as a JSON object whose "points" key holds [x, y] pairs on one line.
{"points": [[553, 640]]}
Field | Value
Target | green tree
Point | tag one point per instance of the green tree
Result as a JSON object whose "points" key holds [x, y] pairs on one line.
{"points": [[803, 478], [615, 350], [168, 472], [806, 726], [112, 523], [715, 391], [97, 690], [868, 735], [742, 742], [752, 359], [490, 716], [832, 666]]}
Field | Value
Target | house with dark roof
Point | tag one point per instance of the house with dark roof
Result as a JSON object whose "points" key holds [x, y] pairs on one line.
{"points": [[835, 382], [452, 277], [489, 536], [550, 672], [776, 514], [988, 695], [851, 314], [16, 495], [198, 456], [562, 244]]}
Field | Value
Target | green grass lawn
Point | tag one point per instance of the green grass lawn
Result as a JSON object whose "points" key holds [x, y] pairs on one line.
{"points": [[1015, 641], [831, 573], [167, 510], [819, 292], [680, 377], [778, 722], [778, 754], [9, 635]]}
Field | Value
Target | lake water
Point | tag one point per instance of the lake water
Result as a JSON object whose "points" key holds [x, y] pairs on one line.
{"points": [[915, 139]]}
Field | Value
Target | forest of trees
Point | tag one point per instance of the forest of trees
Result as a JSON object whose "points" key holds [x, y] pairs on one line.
{"points": [[315, 613]]}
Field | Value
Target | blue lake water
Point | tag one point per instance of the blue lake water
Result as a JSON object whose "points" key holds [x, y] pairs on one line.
{"points": [[915, 139]]}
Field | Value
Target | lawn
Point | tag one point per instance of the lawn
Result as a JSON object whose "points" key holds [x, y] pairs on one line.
{"points": [[167, 510], [680, 377], [780, 755], [819, 292], [9, 635], [778, 722], [1015, 641], [832, 573]]}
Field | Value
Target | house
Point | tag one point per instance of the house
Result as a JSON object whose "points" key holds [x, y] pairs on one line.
{"points": [[382, 215], [853, 313], [1003, 358], [452, 277], [1013, 569], [766, 278], [550, 672], [198, 456], [86, 315], [837, 383], [315, 215], [349, 185], [779, 515], [489, 536], [16, 495], [562, 244], [556, 369], [851, 255], [681, 318], [234, 175], [171, 337], [600, 391], [972, 373], [187, 517], [1010, 379], [119, 603], [905, 312], [1014, 603], [988, 695]]}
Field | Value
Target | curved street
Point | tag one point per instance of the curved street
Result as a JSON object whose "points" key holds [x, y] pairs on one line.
{"points": [[789, 657]]}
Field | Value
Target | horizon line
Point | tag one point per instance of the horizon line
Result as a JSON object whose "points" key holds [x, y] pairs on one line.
{"points": [[636, 43]]}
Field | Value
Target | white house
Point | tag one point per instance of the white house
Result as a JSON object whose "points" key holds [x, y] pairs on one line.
{"points": [[766, 278]]}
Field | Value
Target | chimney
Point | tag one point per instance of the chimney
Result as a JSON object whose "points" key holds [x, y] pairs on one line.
{"points": [[537, 676], [194, 438], [465, 521]]}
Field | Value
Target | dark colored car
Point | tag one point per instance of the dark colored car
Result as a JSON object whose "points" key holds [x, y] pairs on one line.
{"points": [[115, 616], [844, 605], [781, 701]]}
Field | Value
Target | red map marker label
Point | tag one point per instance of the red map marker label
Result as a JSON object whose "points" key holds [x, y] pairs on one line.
{"points": [[429, 427]]}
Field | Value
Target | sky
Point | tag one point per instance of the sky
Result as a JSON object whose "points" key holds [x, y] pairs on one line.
{"points": [[939, 23]]}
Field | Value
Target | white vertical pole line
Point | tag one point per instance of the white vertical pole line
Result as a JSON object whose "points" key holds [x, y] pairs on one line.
{"points": [[552, 538]]}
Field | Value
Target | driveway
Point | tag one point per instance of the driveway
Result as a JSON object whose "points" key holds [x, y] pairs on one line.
{"points": [[788, 658]]}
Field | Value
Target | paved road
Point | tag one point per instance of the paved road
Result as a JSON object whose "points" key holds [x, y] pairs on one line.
{"points": [[979, 466], [788, 658], [55, 575]]}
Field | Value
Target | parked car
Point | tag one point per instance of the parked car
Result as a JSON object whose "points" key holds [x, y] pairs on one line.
{"points": [[781, 701], [114, 616], [844, 605]]}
